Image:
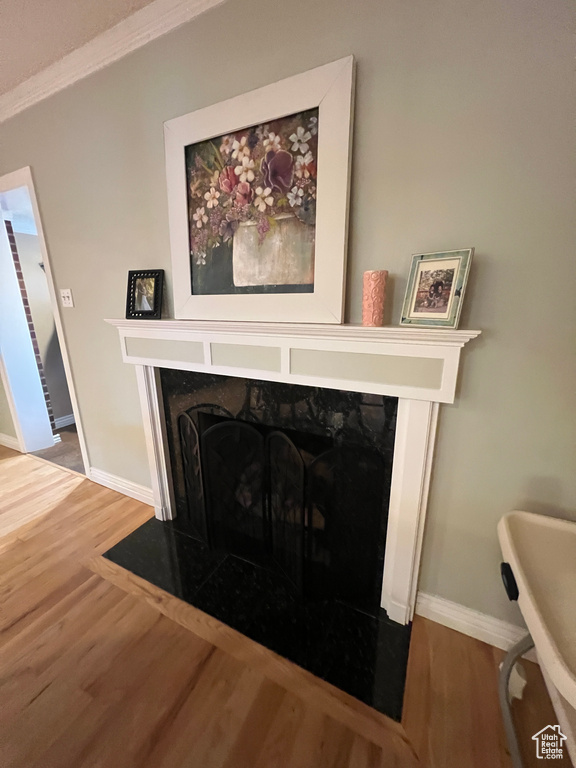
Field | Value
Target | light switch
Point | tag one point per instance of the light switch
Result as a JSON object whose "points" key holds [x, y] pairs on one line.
{"points": [[66, 297]]}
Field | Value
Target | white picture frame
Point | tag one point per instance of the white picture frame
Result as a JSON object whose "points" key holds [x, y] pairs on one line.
{"points": [[330, 89]]}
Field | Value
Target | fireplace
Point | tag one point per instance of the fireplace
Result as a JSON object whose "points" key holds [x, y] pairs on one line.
{"points": [[281, 496], [284, 587]]}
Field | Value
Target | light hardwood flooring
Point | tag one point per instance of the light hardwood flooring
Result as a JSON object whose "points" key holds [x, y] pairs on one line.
{"points": [[98, 668]]}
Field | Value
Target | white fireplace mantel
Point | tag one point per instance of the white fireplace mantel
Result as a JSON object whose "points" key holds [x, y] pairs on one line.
{"points": [[419, 366]]}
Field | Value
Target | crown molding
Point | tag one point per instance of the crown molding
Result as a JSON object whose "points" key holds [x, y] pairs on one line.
{"points": [[150, 22]]}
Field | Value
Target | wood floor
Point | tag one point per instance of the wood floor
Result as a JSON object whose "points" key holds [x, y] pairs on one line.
{"points": [[100, 669]]}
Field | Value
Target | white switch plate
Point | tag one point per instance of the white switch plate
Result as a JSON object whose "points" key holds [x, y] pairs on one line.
{"points": [[66, 297]]}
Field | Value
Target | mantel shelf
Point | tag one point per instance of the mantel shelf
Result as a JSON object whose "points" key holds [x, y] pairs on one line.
{"points": [[345, 333]]}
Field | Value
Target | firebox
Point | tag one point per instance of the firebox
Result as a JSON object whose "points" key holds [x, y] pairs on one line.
{"points": [[294, 479]]}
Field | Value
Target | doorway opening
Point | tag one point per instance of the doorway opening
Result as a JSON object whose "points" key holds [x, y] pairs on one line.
{"points": [[38, 408]]}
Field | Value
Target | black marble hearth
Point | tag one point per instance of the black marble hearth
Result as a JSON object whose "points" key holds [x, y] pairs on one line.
{"points": [[361, 653], [281, 497]]}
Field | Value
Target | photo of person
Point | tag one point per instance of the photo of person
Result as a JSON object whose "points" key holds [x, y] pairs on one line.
{"points": [[434, 290], [144, 294]]}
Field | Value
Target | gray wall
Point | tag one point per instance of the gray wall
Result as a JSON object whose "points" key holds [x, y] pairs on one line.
{"points": [[464, 136], [6, 421], [43, 318]]}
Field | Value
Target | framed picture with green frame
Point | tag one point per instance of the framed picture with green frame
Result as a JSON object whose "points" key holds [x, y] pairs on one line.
{"points": [[435, 289]]}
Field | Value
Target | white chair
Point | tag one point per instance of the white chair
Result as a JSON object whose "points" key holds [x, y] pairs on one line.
{"points": [[540, 572]]}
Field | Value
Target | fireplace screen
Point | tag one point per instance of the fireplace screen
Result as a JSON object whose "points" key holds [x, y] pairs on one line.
{"points": [[294, 479]]}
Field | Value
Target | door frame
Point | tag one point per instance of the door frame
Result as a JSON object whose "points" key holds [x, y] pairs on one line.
{"points": [[23, 178], [9, 441]]}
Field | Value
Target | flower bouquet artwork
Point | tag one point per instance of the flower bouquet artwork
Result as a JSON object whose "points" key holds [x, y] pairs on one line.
{"points": [[258, 190], [252, 208]]}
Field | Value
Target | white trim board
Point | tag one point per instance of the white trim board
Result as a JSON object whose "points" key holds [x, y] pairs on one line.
{"points": [[501, 634], [19, 446], [148, 380], [150, 22], [10, 442], [64, 421], [411, 466], [120, 484]]}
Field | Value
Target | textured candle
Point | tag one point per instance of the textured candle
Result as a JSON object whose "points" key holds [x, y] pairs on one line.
{"points": [[374, 294]]}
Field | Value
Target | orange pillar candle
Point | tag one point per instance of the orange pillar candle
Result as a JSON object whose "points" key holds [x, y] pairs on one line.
{"points": [[373, 296]]}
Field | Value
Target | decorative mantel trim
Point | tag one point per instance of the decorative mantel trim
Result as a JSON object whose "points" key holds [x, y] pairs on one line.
{"points": [[419, 366], [143, 26]]}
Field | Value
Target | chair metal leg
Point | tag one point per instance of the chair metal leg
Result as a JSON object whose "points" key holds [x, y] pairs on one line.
{"points": [[512, 657]]}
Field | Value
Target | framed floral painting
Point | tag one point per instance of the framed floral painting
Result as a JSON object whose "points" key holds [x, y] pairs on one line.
{"points": [[258, 201], [252, 208]]}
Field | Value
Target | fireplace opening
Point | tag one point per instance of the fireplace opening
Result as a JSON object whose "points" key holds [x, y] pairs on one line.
{"points": [[294, 479], [285, 500]]}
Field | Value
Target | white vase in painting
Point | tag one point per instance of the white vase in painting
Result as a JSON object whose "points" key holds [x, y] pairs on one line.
{"points": [[286, 257]]}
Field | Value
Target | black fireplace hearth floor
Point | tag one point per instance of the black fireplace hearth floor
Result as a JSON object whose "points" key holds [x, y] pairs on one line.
{"points": [[364, 655]]}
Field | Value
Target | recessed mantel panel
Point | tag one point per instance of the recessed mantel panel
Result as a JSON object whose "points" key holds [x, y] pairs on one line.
{"points": [[251, 356], [384, 370], [190, 351]]}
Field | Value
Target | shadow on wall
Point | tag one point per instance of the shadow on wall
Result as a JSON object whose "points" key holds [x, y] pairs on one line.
{"points": [[56, 378], [38, 296], [544, 496]]}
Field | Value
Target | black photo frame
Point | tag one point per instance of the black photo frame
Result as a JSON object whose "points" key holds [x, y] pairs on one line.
{"points": [[144, 294]]}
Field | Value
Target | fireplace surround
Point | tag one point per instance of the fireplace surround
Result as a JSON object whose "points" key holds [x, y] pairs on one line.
{"points": [[418, 366], [238, 395]]}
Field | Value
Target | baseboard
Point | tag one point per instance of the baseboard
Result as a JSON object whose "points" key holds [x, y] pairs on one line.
{"points": [[496, 632], [10, 442], [64, 421], [120, 484]]}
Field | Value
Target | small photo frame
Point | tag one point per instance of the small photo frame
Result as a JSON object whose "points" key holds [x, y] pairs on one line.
{"points": [[144, 295], [435, 289]]}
